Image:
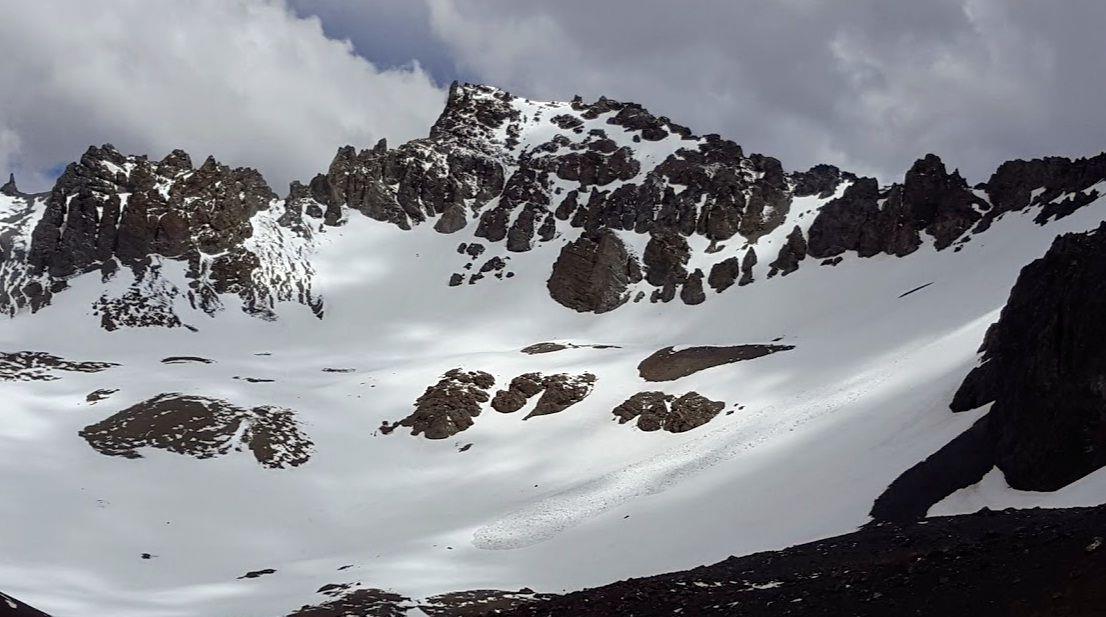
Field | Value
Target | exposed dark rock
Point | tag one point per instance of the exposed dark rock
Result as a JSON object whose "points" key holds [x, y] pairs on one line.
{"points": [[538, 348], [449, 406], [747, 264], [941, 203], [41, 366], [591, 274], [724, 274], [668, 364], [665, 257], [201, 427], [348, 600], [478, 602], [690, 411], [98, 395], [769, 199], [791, 253], [558, 392], [1042, 370], [1043, 363], [848, 223], [692, 291], [650, 409], [820, 180], [1012, 185], [929, 200], [207, 209], [257, 573], [186, 360], [10, 607], [518, 393], [657, 410], [9, 188], [493, 264], [561, 392], [989, 564], [566, 121], [109, 210], [456, 279], [453, 219], [474, 250]]}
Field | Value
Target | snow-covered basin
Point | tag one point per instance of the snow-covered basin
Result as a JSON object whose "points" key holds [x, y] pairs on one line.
{"points": [[555, 502]]}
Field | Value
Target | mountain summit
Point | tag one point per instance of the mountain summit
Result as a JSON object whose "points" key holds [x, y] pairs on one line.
{"points": [[549, 346]]}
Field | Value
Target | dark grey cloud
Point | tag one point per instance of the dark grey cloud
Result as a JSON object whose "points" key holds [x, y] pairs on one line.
{"points": [[391, 33], [867, 84]]}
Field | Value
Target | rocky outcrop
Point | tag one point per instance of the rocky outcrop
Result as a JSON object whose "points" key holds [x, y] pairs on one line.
{"points": [[518, 393], [665, 258], [659, 411], [591, 274], [540, 348], [793, 251], [9, 188], [42, 366], [109, 211], [561, 392], [481, 162], [558, 392], [669, 364], [988, 564], [1041, 370], [449, 406], [202, 427], [724, 274], [171, 210], [1059, 185], [747, 264], [940, 205], [1043, 367], [821, 181], [522, 175], [692, 291]]}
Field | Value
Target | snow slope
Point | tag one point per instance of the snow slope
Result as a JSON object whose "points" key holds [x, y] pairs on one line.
{"points": [[554, 502]]}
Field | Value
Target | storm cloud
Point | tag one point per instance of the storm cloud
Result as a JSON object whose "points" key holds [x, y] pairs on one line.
{"points": [[868, 85]]}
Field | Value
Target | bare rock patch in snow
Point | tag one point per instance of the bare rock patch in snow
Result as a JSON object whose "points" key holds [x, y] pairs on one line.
{"points": [[449, 406], [668, 364], [657, 410], [41, 366], [98, 395], [186, 360], [350, 601], [561, 392], [558, 392], [539, 348], [202, 427], [257, 573]]}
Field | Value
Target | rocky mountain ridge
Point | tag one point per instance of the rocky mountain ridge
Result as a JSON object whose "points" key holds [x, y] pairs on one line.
{"points": [[593, 177]]}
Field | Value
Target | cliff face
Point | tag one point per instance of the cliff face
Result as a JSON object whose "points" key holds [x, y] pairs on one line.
{"points": [[521, 174], [1044, 372]]}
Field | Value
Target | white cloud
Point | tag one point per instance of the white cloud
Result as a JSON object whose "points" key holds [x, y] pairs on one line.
{"points": [[245, 80]]}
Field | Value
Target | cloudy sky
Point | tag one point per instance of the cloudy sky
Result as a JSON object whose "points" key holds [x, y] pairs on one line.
{"points": [[868, 85]]}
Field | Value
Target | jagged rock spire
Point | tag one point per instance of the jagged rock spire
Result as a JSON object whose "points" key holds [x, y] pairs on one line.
{"points": [[9, 188]]}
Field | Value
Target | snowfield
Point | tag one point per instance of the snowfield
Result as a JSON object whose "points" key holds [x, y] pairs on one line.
{"points": [[554, 502]]}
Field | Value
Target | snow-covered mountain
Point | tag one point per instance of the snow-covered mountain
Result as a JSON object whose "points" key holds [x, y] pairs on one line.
{"points": [[549, 346]]}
